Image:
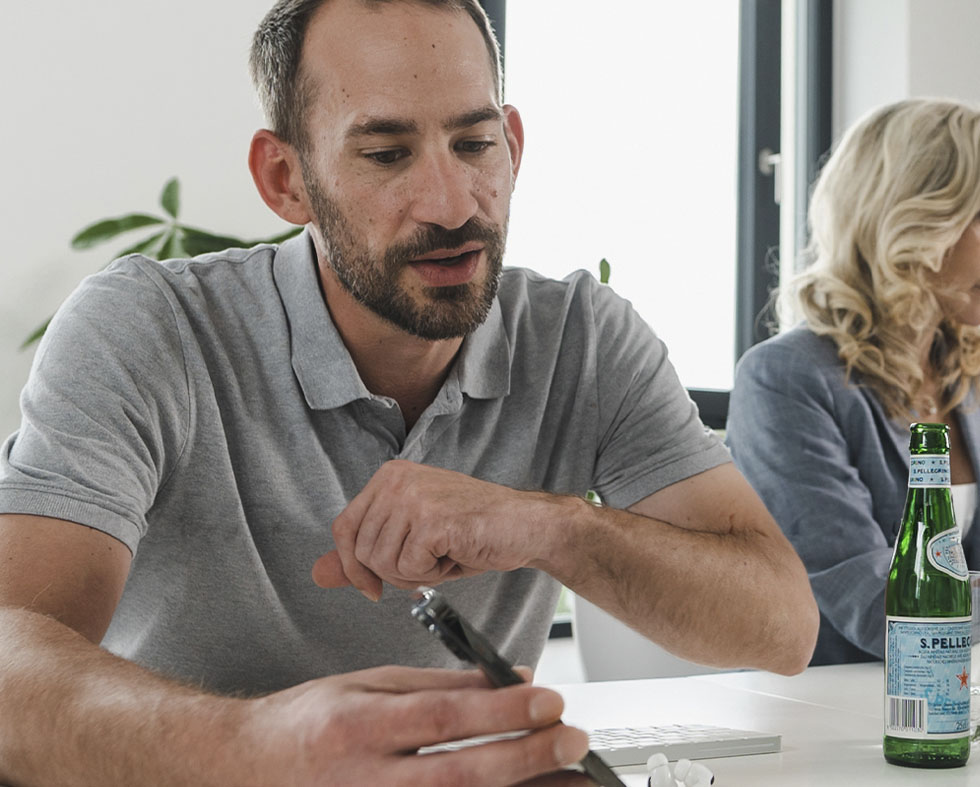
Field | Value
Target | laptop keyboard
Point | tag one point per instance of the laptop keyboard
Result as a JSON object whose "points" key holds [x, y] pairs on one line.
{"points": [[634, 745], [621, 746]]}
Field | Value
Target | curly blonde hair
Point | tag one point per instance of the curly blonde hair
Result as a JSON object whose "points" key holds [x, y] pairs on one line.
{"points": [[900, 189]]}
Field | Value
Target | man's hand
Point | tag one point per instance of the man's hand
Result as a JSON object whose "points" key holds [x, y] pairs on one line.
{"points": [[416, 525], [365, 727]]}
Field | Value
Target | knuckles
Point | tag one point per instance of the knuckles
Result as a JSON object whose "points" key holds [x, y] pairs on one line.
{"points": [[445, 718], [344, 529]]}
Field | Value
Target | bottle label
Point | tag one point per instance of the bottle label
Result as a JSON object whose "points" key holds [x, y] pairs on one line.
{"points": [[927, 677], [929, 470], [945, 554]]}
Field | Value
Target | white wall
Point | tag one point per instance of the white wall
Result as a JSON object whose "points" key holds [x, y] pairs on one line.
{"points": [[100, 103], [886, 50], [870, 57], [944, 51]]}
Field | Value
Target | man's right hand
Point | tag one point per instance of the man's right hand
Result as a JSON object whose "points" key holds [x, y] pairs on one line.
{"points": [[365, 727]]}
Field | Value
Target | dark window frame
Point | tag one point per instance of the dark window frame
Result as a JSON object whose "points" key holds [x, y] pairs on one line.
{"points": [[759, 123]]}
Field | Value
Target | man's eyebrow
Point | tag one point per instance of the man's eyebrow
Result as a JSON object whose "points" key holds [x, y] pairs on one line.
{"points": [[382, 126], [472, 118], [393, 126]]}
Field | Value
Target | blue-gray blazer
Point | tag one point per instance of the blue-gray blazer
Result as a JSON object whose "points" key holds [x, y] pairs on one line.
{"points": [[833, 471]]}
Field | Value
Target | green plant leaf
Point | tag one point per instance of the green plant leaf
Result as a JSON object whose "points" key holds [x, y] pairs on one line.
{"points": [[292, 232], [36, 334], [172, 246], [198, 241], [107, 229], [149, 246], [170, 197], [178, 248], [202, 242], [145, 246], [604, 271], [175, 240]]}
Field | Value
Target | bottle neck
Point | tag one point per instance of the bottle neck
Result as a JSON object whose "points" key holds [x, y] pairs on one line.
{"points": [[929, 471]]}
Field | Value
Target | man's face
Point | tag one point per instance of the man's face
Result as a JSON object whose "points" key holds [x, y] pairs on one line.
{"points": [[410, 165]]}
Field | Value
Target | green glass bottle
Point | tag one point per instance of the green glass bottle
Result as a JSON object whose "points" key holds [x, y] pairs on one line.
{"points": [[927, 618]]}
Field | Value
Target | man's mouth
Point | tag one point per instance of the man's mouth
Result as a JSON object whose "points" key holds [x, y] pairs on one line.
{"points": [[448, 267], [449, 257], [448, 260]]}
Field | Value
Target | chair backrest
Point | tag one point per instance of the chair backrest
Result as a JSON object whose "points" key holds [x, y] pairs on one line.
{"points": [[611, 650]]}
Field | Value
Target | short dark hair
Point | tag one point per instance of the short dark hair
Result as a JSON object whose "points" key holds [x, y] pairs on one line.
{"points": [[277, 51]]}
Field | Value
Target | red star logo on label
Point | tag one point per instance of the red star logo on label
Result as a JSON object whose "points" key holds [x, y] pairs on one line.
{"points": [[964, 677]]}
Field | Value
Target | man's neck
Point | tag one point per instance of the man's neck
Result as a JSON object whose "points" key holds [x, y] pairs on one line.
{"points": [[390, 361]]}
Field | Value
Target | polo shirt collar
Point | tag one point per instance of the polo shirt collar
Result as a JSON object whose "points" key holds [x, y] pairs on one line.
{"points": [[323, 366], [484, 361]]}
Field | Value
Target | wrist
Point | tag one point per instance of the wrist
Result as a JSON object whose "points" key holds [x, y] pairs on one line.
{"points": [[560, 522], [230, 746]]}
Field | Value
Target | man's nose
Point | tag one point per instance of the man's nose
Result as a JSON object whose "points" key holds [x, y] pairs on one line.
{"points": [[443, 192]]}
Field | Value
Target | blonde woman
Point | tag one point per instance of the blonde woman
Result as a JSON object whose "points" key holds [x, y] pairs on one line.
{"points": [[885, 332]]}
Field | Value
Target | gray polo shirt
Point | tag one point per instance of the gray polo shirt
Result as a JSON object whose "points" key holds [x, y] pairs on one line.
{"points": [[207, 414]]}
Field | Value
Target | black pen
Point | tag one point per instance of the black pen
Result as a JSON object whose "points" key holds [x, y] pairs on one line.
{"points": [[435, 613]]}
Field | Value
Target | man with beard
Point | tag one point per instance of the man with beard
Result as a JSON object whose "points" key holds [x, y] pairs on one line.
{"points": [[376, 399]]}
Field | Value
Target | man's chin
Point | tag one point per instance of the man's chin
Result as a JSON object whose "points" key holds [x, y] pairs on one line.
{"points": [[445, 317], [435, 330]]}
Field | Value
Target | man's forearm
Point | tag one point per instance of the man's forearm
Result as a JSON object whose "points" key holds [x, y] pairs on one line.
{"points": [[73, 714], [729, 599], [720, 584]]}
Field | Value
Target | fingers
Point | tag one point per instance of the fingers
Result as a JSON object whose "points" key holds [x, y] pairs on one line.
{"points": [[402, 680], [375, 544], [436, 716], [505, 762], [345, 528], [525, 672], [412, 524], [328, 571]]}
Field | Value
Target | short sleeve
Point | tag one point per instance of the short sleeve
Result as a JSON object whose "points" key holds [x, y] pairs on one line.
{"points": [[105, 409], [650, 434]]}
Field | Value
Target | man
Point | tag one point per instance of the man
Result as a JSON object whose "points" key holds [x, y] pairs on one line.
{"points": [[378, 394]]}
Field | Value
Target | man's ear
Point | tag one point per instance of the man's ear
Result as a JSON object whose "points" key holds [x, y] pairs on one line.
{"points": [[514, 132], [278, 176]]}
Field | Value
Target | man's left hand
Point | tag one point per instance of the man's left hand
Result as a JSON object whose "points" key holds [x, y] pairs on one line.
{"points": [[417, 525]]}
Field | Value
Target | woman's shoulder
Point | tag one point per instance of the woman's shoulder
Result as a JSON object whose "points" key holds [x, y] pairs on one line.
{"points": [[797, 351], [800, 372]]}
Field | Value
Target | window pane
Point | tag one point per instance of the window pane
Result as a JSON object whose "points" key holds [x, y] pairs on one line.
{"points": [[630, 113]]}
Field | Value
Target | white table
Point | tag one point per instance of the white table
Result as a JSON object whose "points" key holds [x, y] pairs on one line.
{"points": [[830, 719]]}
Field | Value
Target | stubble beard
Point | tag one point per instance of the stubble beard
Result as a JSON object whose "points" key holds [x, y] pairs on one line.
{"points": [[443, 312]]}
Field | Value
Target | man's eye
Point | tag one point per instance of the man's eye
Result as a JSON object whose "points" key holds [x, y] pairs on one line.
{"points": [[386, 156], [475, 145]]}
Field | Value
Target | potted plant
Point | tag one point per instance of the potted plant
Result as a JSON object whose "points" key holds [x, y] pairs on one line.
{"points": [[169, 238]]}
